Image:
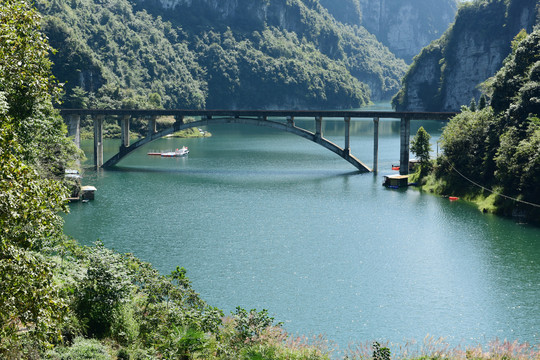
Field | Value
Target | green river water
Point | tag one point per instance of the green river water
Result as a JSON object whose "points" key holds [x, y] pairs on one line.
{"points": [[268, 220]]}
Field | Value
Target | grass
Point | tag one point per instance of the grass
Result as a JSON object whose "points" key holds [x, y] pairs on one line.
{"points": [[484, 201], [434, 349]]}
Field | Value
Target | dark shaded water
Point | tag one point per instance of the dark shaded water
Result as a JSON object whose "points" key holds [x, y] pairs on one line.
{"points": [[264, 219]]}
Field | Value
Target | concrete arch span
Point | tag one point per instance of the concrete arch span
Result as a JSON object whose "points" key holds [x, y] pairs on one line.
{"points": [[287, 127]]}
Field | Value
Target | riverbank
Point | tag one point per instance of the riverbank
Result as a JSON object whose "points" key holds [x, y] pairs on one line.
{"points": [[486, 201], [190, 133]]}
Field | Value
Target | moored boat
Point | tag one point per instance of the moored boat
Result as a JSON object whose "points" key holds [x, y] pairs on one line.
{"points": [[177, 153]]}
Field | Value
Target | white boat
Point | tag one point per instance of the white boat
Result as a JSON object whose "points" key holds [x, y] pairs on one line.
{"points": [[177, 153]]}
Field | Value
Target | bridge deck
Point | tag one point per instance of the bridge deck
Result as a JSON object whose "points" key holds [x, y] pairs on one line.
{"points": [[267, 113]]}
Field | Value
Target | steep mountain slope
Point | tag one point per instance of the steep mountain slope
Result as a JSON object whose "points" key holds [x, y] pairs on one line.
{"points": [[404, 26], [227, 54], [345, 11], [447, 73]]}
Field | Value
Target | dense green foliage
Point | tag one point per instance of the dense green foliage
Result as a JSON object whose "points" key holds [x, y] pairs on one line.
{"points": [[119, 55], [498, 147], [34, 152]]}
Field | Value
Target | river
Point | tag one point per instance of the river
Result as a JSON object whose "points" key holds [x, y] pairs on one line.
{"points": [[268, 220]]}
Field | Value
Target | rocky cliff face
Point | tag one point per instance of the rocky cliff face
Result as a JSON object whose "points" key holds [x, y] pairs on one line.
{"points": [[234, 13], [475, 60], [472, 51], [406, 26], [345, 11]]}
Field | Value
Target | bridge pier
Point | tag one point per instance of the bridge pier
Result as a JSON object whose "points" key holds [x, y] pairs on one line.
{"points": [[375, 145], [347, 147], [98, 141], [152, 125], [179, 120], [404, 146], [318, 126], [290, 121], [74, 128], [125, 130]]}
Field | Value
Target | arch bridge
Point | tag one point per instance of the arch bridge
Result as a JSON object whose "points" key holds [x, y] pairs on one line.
{"points": [[277, 119]]}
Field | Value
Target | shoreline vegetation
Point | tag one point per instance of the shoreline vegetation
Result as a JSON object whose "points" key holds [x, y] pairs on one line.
{"points": [[490, 151], [487, 204], [138, 130]]}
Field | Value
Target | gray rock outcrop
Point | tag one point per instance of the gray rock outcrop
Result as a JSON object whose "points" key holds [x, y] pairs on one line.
{"points": [[447, 74], [406, 26]]}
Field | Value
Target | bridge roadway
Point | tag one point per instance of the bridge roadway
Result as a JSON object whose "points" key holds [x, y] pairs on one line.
{"points": [[268, 118]]}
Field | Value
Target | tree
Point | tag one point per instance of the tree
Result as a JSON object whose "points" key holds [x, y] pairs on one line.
{"points": [[482, 103], [33, 150], [472, 105], [420, 145], [29, 207]]}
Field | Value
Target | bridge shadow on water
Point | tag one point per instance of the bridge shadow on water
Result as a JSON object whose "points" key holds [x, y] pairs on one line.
{"points": [[220, 176]]}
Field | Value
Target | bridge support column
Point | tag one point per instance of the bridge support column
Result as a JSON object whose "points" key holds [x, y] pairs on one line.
{"points": [[318, 126], [290, 121], [98, 141], [74, 128], [347, 147], [125, 130], [375, 145], [152, 126], [404, 148], [179, 121]]}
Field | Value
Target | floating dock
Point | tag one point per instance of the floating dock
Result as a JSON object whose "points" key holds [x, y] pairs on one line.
{"points": [[396, 181], [87, 192]]}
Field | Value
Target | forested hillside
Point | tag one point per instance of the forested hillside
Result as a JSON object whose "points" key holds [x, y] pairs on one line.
{"points": [[264, 54], [448, 72]]}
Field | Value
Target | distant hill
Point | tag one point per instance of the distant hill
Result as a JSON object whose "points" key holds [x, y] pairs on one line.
{"points": [[447, 73], [207, 54]]}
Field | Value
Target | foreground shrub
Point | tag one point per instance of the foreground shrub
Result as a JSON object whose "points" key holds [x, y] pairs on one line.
{"points": [[82, 349]]}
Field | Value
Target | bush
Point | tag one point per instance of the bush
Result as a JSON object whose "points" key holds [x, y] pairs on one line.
{"points": [[101, 292], [82, 349]]}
